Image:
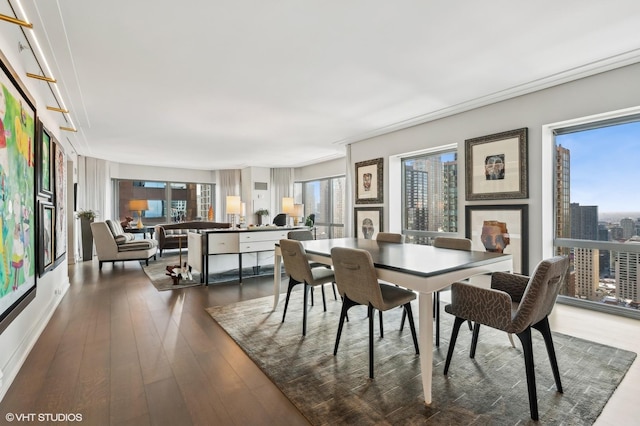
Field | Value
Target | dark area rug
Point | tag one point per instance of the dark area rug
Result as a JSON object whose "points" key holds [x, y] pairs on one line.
{"points": [[488, 390]]}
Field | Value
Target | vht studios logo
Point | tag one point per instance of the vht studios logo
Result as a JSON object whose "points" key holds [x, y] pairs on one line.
{"points": [[43, 417]]}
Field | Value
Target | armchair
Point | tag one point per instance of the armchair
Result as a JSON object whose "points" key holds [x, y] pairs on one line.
{"points": [[514, 304], [113, 244]]}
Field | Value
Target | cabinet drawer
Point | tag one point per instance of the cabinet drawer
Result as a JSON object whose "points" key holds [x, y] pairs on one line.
{"points": [[252, 236], [246, 247], [223, 243]]}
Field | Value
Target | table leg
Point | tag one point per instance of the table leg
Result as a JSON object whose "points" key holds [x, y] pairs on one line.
{"points": [[276, 279], [425, 340]]}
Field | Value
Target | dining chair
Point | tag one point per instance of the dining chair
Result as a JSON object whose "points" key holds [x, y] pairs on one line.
{"points": [[358, 284], [515, 304], [300, 272], [306, 235], [280, 219], [453, 243], [394, 238]]}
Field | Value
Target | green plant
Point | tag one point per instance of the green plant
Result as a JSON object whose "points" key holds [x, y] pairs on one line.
{"points": [[87, 214], [262, 212]]}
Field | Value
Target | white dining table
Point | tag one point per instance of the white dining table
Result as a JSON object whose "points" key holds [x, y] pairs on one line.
{"points": [[424, 269]]}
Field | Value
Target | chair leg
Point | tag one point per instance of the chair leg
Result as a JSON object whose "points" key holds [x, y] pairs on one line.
{"points": [[404, 317], [457, 322], [311, 296], [527, 347], [304, 309], [412, 326], [333, 286], [470, 324], [543, 328], [381, 329], [324, 300], [370, 311], [292, 283], [343, 315], [436, 313], [474, 340]]}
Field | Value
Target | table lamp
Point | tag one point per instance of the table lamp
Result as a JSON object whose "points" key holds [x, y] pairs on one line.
{"points": [[139, 206], [234, 207], [287, 207], [298, 210]]}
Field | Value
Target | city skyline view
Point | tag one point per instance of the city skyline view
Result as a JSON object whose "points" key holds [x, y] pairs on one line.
{"points": [[605, 169]]}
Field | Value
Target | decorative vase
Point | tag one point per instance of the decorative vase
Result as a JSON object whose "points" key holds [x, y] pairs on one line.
{"points": [[87, 238]]}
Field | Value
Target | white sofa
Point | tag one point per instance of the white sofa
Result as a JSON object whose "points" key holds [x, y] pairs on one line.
{"points": [[113, 244]]}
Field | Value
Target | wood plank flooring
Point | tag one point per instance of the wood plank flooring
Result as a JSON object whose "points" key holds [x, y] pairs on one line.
{"points": [[119, 352]]}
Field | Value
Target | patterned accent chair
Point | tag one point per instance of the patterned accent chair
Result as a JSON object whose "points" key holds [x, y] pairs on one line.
{"points": [[515, 304]]}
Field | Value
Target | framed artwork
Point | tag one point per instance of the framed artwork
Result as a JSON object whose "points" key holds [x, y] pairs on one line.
{"points": [[369, 182], [501, 229], [46, 242], [368, 222], [17, 204], [496, 166], [44, 161], [60, 197]]}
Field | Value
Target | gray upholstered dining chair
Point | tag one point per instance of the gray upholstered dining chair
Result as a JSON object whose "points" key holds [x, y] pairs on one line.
{"points": [[358, 284], [390, 237], [515, 304], [306, 235], [300, 272]]}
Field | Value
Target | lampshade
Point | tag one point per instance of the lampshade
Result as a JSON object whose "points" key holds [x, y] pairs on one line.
{"points": [[138, 205], [243, 209], [298, 210], [287, 206], [233, 204]]}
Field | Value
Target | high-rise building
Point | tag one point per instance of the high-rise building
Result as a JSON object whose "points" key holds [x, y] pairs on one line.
{"points": [[587, 277], [563, 192], [584, 222], [627, 266], [628, 226]]}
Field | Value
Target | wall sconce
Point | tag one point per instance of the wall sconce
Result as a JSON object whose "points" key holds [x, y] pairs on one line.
{"points": [[234, 207], [298, 213], [139, 206]]}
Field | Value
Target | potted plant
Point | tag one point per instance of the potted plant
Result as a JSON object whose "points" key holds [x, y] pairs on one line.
{"points": [[261, 213], [86, 217]]}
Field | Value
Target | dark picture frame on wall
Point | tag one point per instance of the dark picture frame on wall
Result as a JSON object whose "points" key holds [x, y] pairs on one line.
{"points": [[369, 182], [44, 162], [496, 166], [46, 242], [17, 170], [60, 198], [368, 221], [501, 229]]}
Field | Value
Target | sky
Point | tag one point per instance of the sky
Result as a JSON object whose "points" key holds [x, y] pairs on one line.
{"points": [[605, 168]]}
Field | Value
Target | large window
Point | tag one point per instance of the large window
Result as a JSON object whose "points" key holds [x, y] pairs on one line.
{"points": [[325, 199], [166, 201], [597, 211], [430, 196]]}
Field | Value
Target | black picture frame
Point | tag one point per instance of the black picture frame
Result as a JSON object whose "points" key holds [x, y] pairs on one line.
{"points": [[489, 227], [496, 166], [46, 237], [368, 221], [44, 162], [369, 182]]}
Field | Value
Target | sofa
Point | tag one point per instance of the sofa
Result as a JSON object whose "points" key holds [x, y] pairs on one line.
{"points": [[113, 244], [174, 235]]}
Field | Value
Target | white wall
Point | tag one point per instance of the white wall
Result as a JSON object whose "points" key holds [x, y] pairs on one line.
{"points": [[133, 171], [609, 91], [325, 169]]}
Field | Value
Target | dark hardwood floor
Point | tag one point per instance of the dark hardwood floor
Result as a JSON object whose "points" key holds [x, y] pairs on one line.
{"points": [[117, 351]]}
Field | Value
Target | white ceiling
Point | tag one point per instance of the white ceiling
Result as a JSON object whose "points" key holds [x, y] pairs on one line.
{"points": [[208, 84]]}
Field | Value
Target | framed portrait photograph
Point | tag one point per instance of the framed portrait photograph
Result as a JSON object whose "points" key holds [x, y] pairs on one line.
{"points": [[44, 162], [500, 229], [46, 243], [496, 166], [369, 182], [367, 222]]}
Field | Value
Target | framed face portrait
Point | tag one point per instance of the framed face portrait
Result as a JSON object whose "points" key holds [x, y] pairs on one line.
{"points": [[496, 166], [367, 222], [369, 182], [500, 229]]}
